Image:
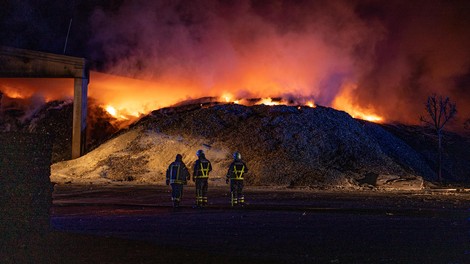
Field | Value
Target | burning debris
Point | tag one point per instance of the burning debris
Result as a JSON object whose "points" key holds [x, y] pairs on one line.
{"points": [[54, 118], [116, 95]]}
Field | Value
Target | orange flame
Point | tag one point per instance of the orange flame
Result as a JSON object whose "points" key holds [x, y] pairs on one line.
{"points": [[268, 101], [15, 94], [345, 101], [127, 98], [49, 89], [229, 98]]}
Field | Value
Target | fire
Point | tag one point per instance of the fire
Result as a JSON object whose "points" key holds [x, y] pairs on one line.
{"points": [[111, 110], [229, 98], [310, 104], [48, 89], [127, 99], [122, 113], [15, 94], [368, 117], [268, 101], [344, 101]]}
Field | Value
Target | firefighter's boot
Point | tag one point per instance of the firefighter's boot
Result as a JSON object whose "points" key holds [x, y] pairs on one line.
{"points": [[241, 201], [234, 200]]}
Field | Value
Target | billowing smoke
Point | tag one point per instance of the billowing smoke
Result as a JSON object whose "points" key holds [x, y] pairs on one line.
{"points": [[424, 51], [385, 57], [378, 57], [248, 48]]}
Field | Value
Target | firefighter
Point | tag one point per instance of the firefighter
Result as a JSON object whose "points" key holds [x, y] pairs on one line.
{"points": [[235, 175], [177, 175], [202, 167]]}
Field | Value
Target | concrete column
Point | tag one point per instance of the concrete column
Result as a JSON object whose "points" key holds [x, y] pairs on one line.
{"points": [[79, 117]]}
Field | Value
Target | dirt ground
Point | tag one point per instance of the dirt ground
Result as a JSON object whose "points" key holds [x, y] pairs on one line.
{"points": [[136, 224]]}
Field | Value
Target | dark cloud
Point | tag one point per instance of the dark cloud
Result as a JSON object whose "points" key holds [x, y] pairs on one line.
{"points": [[395, 53]]}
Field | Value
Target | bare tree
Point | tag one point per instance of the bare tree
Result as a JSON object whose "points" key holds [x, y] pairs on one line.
{"points": [[440, 110]]}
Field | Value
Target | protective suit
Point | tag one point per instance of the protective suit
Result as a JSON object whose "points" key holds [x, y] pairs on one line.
{"points": [[201, 169], [235, 177], [177, 175]]}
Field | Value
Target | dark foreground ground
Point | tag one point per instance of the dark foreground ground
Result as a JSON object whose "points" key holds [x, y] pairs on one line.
{"points": [[136, 224]]}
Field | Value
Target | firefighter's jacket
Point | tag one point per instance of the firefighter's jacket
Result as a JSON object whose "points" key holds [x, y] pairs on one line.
{"points": [[237, 170], [202, 167], [177, 173]]}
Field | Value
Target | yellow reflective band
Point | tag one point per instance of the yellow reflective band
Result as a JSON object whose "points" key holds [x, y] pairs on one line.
{"points": [[238, 173], [205, 171], [177, 172], [233, 199]]}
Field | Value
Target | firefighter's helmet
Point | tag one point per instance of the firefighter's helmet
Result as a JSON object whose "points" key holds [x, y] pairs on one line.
{"points": [[199, 153], [237, 155], [179, 157]]}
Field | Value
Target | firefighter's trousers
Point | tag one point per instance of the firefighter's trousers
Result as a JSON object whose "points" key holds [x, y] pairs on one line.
{"points": [[176, 193], [201, 192], [236, 190]]}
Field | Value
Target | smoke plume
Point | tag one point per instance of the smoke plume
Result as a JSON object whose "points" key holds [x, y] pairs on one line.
{"points": [[377, 57], [385, 57], [268, 48]]}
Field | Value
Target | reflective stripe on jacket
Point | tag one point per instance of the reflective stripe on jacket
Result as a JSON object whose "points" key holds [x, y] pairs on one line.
{"points": [[237, 170], [177, 173], [202, 167]]}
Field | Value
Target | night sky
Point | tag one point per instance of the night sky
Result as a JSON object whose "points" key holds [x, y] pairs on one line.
{"points": [[387, 56]]}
